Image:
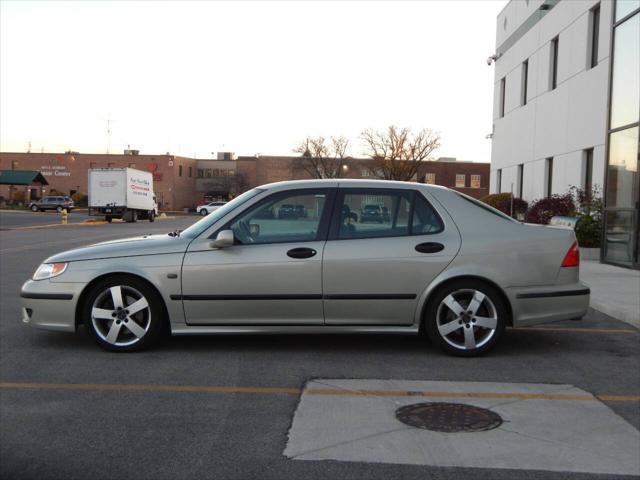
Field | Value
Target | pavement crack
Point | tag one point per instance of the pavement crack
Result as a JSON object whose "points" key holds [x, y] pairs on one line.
{"points": [[563, 444], [363, 392], [346, 442], [517, 400]]}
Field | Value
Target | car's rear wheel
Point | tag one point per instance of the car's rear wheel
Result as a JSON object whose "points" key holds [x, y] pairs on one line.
{"points": [[59, 208], [466, 318], [204, 212], [123, 314], [152, 216]]}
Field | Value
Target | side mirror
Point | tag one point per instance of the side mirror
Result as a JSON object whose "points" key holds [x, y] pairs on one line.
{"points": [[224, 239]]}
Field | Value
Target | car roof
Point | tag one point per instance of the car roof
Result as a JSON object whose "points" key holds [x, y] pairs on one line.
{"points": [[346, 183]]}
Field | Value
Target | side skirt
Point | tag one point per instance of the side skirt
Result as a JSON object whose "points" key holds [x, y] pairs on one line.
{"points": [[289, 329]]}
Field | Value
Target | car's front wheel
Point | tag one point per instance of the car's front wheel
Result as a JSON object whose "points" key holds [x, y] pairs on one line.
{"points": [[34, 208], [124, 314], [204, 212], [466, 318]]}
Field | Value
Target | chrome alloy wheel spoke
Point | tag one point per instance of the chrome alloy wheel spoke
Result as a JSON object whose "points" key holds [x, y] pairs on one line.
{"points": [[449, 327], [134, 328], [102, 313], [453, 305], [486, 322], [476, 301], [116, 296], [469, 337], [114, 331]]}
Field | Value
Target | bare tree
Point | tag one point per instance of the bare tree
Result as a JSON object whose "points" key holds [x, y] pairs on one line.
{"points": [[398, 153], [321, 159], [231, 185]]}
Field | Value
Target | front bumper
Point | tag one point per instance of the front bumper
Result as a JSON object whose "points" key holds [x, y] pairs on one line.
{"points": [[534, 305], [50, 305]]}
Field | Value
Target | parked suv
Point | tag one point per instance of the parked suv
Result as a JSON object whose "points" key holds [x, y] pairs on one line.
{"points": [[371, 213], [57, 203]]}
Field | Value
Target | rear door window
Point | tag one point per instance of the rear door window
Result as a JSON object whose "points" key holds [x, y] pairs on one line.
{"points": [[372, 213]]}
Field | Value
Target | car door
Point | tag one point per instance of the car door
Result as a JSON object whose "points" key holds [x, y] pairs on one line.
{"points": [[375, 272], [272, 275]]}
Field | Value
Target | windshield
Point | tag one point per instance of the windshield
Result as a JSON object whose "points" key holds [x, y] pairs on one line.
{"points": [[200, 226]]}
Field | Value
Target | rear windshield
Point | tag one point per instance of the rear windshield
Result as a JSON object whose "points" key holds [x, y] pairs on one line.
{"points": [[486, 207]]}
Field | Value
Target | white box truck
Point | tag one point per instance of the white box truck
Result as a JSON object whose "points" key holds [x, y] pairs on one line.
{"points": [[124, 193]]}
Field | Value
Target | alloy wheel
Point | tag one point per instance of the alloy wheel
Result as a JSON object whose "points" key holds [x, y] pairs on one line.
{"points": [[467, 319], [121, 315]]}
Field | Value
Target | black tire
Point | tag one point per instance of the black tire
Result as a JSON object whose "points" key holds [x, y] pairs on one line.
{"points": [[204, 212], [152, 216], [492, 312], [134, 216], [154, 321], [34, 208], [108, 218], [59, 209]]}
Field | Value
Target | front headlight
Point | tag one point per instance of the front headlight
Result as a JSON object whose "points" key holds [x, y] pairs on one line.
{"points": [[49, 270]]}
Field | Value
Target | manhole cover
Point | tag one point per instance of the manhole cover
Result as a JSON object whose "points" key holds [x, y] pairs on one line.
{"points": [[448, 417]]}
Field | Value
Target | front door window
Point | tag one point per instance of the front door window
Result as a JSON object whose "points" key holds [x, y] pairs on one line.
{"points": [[282, 218]]}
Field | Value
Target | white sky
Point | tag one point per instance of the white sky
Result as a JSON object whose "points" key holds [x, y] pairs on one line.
{"points": [[196, 78]]}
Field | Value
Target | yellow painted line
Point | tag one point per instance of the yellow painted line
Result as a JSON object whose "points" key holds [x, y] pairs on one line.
{"points": [[582, 330], [152, 388], [33, 227], [313, 391]]}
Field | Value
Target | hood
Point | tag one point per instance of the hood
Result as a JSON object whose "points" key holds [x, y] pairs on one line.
{"points": [[126, 247]]}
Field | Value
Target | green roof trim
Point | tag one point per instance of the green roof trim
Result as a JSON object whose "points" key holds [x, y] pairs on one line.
{"points": [[22, 177]]}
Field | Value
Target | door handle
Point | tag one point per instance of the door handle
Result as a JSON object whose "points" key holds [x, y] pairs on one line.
{"points": [[301, 252], [429, 247]]}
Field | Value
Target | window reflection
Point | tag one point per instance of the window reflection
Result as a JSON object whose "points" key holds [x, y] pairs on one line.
{"points": [[625, 7], [625, 89], [619, 237], [622, 178]]}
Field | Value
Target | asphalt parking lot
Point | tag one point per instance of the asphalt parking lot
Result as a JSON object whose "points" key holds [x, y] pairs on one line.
{"points": [[26, 219], [247, 406]]}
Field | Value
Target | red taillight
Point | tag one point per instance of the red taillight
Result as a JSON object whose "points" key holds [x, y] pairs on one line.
{"points": [[572, 258]]}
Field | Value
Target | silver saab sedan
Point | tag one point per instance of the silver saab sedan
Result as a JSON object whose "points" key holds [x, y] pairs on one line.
{"points": [[435, 261]]}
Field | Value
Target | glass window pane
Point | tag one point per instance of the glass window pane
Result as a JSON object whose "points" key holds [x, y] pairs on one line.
{"points": [[625, 82], [619, 236], [625, 7], [281, 219], [375, 214], [425, 219], [622, 174]]}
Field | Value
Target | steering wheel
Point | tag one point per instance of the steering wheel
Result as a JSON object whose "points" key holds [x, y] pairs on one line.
{"points": [[245, 232]]}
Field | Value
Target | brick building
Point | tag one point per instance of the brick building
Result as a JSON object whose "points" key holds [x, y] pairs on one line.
{"points": [[181, 182]]}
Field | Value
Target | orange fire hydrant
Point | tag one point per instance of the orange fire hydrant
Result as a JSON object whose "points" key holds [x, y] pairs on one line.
{"points": [[63, 215]]}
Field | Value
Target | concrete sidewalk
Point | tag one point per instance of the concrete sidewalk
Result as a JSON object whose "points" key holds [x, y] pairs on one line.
{"points": [[615, 291]]}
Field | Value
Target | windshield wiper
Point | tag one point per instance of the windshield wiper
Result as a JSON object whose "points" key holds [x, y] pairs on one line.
{"points": [[175, 233]]}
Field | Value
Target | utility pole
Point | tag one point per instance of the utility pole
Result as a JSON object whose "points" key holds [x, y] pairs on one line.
{"points": [[108, 133]]}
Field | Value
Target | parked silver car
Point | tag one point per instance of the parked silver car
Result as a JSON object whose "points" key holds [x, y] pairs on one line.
{"points": [[57, 203], [442, 263]]}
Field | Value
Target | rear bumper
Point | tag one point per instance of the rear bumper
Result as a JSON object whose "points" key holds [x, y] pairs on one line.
{"points": [[534, 305], [50, 305]]}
